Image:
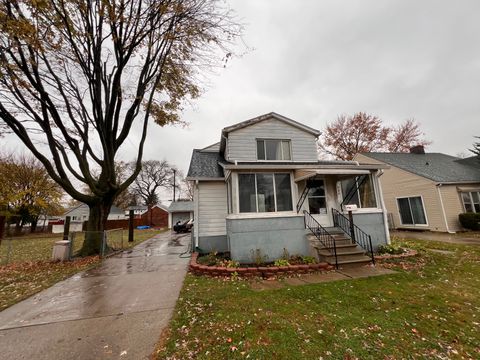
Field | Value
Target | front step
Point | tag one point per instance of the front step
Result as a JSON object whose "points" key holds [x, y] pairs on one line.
{"points": [[347, 252]]}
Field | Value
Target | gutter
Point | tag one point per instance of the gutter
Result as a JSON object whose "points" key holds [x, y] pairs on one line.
{"points": [[443, 209]]}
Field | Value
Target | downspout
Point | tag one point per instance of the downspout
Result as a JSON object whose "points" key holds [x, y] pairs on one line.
{"points": [[443, 209], [196, 215], [384, 208]]}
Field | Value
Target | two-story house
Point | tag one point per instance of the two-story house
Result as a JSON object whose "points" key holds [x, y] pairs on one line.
{"points": [[263, 187]]}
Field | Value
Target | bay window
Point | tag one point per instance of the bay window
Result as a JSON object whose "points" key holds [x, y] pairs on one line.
{"points": [[264, 192]]}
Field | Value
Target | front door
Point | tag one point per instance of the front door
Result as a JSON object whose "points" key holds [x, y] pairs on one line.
{"points": [[317, 201]]}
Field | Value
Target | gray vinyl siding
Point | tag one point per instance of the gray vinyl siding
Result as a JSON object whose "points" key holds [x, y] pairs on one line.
{"points": [[212, 208], [242, 146]]}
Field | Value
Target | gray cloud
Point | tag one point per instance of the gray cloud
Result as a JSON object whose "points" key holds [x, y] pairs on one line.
{"points": [[314, 60]]}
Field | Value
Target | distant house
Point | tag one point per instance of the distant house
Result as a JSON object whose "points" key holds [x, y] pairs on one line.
{"points": [[179, 211], [262, 190], [79, 214], [156, 216], [427, 191]]}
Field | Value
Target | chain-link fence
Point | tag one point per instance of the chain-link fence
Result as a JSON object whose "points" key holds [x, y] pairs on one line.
{"points": [[34, 247], [38, 248]]}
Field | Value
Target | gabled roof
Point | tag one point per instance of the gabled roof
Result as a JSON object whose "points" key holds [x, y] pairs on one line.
{"points": [[438, 167], [206, 165], [255, 120], [181, 206], [113, 209], [213, 148], [270, 115]]}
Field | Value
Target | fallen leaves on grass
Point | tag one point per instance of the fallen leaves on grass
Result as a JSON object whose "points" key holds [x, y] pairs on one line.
{"points": [[21, 280]]}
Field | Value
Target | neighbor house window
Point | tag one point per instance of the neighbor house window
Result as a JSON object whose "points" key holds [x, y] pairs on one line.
{"points": [[264, 192], [412, 211], [271, 149], [359, 192], [471, 201]]}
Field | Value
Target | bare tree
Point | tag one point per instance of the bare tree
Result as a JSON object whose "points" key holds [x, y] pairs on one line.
{"points": [[476, 147], [349, 135], [153, 176], [76, 76]]}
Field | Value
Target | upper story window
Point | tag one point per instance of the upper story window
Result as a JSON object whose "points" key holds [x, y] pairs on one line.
{"points": [[273, 149]]}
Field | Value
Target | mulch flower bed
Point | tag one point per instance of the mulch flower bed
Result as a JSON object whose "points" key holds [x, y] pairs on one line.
{"points": [[255, 271]]}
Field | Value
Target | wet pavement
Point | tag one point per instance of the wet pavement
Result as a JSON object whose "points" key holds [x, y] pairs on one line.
{"points": [[117, 310]]}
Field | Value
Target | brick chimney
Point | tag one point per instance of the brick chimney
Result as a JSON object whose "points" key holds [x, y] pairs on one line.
{"points": [[419, 149]]}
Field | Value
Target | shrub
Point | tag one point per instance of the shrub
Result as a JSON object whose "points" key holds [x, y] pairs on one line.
{"points": [[390, 249], [281, 262], [228, 263], [470, 221], [257, 257], [210, 259], [309, 260]]}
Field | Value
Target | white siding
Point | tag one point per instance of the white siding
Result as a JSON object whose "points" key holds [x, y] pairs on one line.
{"points": [[212, 208], [242, 145]]}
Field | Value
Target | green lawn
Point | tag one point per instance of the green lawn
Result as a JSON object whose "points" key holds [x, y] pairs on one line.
{"points": [[30, 269], [429, 309]]}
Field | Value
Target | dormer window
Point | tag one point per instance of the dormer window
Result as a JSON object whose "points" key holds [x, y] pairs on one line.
{"points": [[273, 149]]}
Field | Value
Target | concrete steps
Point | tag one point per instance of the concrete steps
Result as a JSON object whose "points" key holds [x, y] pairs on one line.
{"points": [[348, 253]]}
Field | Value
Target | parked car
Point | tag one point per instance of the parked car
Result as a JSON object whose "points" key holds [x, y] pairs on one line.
{"points": [[183, 226]]}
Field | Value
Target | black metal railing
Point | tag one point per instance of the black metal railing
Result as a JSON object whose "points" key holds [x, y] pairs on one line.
{"points": [[357, 235], [302, 198], [322, 235]]}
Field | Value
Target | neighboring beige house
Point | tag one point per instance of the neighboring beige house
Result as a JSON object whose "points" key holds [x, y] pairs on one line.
{"points": [[427, 191]]}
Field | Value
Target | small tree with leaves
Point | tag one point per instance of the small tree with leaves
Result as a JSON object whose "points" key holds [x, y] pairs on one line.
{"points": [[349, 135], [26, 191], [77, 76]]}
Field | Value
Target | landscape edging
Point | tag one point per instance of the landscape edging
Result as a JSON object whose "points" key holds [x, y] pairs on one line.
{"points": [[261, 271]]}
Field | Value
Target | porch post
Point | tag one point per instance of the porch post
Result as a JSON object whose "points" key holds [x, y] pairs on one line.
{"points": [[352, 228]]}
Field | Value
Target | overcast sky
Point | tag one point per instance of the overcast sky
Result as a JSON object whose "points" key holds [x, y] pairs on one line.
{"points": [[318, 59], [313, 60]]}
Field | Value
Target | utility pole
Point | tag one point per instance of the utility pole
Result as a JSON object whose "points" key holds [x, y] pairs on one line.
{"points": [[174, 171]]}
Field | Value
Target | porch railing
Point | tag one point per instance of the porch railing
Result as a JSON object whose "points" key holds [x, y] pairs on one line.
{"points": [[357, 235], [322, 235]]}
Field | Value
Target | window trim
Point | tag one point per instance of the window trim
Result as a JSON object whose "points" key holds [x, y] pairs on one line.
{"points": [[256, 192], [424, 211], [375, 193], [265, 149], [471, 200]]}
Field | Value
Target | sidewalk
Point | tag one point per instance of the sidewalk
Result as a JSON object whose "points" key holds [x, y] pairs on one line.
{"points": [[458, 238], [117, 310]]}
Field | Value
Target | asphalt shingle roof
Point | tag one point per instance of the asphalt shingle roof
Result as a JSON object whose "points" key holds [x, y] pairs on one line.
{"points": [[205, 164], [181, 206], [438, 167]]}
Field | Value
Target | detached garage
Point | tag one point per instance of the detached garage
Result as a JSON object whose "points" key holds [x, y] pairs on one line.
{"points": [[179, 211]]}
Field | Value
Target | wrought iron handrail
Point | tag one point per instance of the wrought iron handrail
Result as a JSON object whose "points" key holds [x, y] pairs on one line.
{"points": [[322, 235], [357, 235], [302, 198]]}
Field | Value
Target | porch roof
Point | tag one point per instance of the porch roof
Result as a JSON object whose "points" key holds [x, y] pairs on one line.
{"points": [[343, 168], [302, 174]]}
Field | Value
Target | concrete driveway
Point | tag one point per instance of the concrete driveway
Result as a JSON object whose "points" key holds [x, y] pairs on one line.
{"points": [[115, 311]]}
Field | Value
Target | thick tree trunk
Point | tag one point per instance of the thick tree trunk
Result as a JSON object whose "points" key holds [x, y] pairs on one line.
{"points": [[97, 220], [33, 225]]}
